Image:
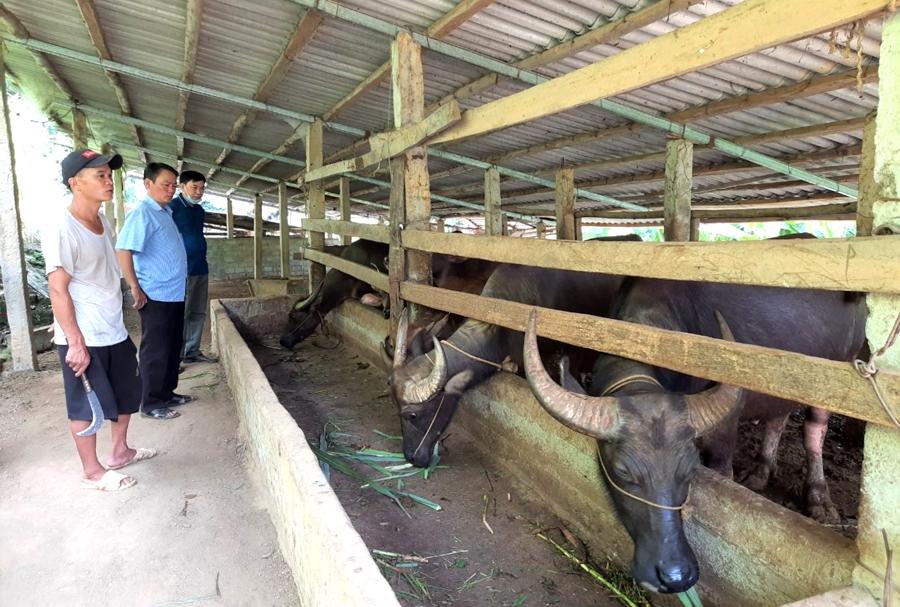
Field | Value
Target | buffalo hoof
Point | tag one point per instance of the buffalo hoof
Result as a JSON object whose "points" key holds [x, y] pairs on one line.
{"points": [[758, 477], [819, 506]]}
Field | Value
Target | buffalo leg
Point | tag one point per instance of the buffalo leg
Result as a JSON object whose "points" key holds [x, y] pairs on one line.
{"points": [[767, 461], [818, 501]]}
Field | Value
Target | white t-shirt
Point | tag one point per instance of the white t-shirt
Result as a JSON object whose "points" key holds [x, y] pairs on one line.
{"points": [[90, 259]]}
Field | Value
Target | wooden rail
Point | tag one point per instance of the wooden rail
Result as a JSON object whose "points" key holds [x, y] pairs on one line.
{"points": [[375, 233], [367, 275], [858, 264], [835, 386]]}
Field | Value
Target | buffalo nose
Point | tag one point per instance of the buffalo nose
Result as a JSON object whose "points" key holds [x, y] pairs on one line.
{"points": [[676, 577]]}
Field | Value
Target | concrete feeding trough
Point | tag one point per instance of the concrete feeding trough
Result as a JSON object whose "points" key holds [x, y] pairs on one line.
{"points": [[752, 551]]}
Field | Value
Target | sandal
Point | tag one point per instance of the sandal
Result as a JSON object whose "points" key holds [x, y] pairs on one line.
{"points": [[110, 481], [140, 455], [161, 413]]}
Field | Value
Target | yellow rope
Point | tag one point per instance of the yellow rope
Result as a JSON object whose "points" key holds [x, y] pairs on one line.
{"points": [[621, 383], [637, 497], [507, 364]]}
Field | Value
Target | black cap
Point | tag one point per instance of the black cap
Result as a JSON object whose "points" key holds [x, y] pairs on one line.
{"points": [[83, 159]]}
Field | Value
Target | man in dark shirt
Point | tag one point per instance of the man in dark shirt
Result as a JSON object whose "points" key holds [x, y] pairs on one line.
{"points": [[189, 216]]}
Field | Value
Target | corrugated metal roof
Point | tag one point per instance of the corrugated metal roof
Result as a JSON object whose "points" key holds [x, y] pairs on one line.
{"points": [[240, 41]]}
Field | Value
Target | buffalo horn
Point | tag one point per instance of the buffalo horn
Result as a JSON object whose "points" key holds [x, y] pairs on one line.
{"points": [[707, 409], [302, 305], [596, 416], [423, 390], [400, 340]]}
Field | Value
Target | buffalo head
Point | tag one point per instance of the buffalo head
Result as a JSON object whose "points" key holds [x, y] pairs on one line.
{"points": [[302, 319], [645, 444]]}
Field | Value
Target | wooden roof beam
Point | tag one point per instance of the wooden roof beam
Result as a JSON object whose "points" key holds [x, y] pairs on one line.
{"points": [[189, 63], [95, 30], [302, 35]]}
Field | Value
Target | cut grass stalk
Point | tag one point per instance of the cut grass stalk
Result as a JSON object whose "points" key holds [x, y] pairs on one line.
{"points": [[690, 598], [590, 571], [387, 436]]}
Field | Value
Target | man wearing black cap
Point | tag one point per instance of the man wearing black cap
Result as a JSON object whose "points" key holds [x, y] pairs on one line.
{"points": [[84, 280]]}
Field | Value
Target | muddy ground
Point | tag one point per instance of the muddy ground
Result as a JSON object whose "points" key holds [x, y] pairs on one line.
{"points": [[480, 549], [193, 531]]}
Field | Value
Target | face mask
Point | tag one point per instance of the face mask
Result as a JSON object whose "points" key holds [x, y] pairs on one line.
{"points": [[188, 199]]}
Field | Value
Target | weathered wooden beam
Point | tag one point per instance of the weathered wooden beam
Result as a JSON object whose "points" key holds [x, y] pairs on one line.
{"points": [[879, 517], [375, 233], [119, 195], [284, 233], [194, 11], [363, 273], [80, 131], [229, 218], [861, 264], [396, 254], [439, 225], [833, 385], [89, 15], [408, 84], [565, 204], [868, 189], [303, 34], [315, 201], [391, 143], [12, 249], [540, 230], [742, 29], [461, 13], [677, 195], [257, 237], [722, 213], [493, 217], [346, 213]]}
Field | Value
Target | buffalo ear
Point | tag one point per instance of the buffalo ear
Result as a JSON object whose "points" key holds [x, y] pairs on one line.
{"points": [[459, 383]]}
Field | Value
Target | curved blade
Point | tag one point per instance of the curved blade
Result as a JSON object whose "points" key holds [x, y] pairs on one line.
{"points": [[96, 410]]}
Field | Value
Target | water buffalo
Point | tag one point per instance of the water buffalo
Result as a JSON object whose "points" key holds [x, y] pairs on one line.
{"points": [[646, 418], [449, 272], [427, 394]]}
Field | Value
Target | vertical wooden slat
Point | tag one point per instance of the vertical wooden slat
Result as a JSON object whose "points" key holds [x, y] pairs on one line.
{"points": [[284, 232], [695, 229], [880, 488], [677, 191], [345, 207], [396, 258], [565, 204], [79, 129], [315, 202], [408, 84], [493, 221], [12, 250], [579, 235], [540, 229], [109, 206], [257, 238], [119, 195], [229, 218], [439, 225], [868, 190]]}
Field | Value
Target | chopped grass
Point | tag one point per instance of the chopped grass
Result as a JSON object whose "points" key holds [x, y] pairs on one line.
{"points": [[690, 598]]}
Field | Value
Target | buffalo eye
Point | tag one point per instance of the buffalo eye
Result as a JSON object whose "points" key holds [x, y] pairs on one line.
{"points": [[410, 415], [623, 473]]}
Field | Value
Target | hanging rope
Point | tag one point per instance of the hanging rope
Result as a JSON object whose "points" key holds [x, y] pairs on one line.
{"points": [[637, 497], [507, 364], [869, 370]]}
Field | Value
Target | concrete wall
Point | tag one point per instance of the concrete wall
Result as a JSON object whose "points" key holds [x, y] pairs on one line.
{"points": [[233, 257], [752, 552], [330, 563]]}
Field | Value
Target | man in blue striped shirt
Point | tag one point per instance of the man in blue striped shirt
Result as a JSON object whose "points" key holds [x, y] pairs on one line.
{"points": [[154, 264]]}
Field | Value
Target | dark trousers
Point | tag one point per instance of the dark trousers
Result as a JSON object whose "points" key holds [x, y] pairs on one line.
{"points": [[162, 327], [195, 303]]}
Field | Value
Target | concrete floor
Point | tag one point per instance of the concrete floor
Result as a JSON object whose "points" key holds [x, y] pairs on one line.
{"points": [[194, 530]]}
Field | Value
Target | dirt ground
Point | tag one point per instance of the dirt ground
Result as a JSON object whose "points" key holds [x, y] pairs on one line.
{"points": [[194, 530], [480, 548]]}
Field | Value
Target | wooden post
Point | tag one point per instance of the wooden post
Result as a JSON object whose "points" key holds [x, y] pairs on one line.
{"points": [[408, 85], [439, 225], [345, 207], [257, 238], [12, 250], [396, 258], [493, 220], [229, 218], [677, 192], [868, 190], [315, 202], [109, 206], [578, 233], [880, 487], [540, 229], [79, 129], [565, 204], [119, 195], [695, 229], [284, 231]]}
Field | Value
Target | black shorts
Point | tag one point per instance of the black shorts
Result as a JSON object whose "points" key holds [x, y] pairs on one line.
{"points": [[114, 376]]}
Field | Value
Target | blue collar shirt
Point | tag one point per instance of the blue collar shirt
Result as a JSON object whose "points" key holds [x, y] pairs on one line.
{"points": [[160, 261]]}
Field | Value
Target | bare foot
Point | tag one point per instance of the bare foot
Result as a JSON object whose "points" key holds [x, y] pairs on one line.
{"points": [[116, 460]]}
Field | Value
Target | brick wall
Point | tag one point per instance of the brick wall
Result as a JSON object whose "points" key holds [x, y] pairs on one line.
{"points": [[233, 257]]}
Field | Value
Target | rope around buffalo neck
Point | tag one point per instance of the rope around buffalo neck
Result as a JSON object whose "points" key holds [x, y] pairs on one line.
{"points": [[868, 370], [506, 365], [430, 424], [637, 497]]}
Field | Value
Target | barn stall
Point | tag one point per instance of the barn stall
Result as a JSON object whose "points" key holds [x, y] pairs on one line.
{"points": [[679, 113]]}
